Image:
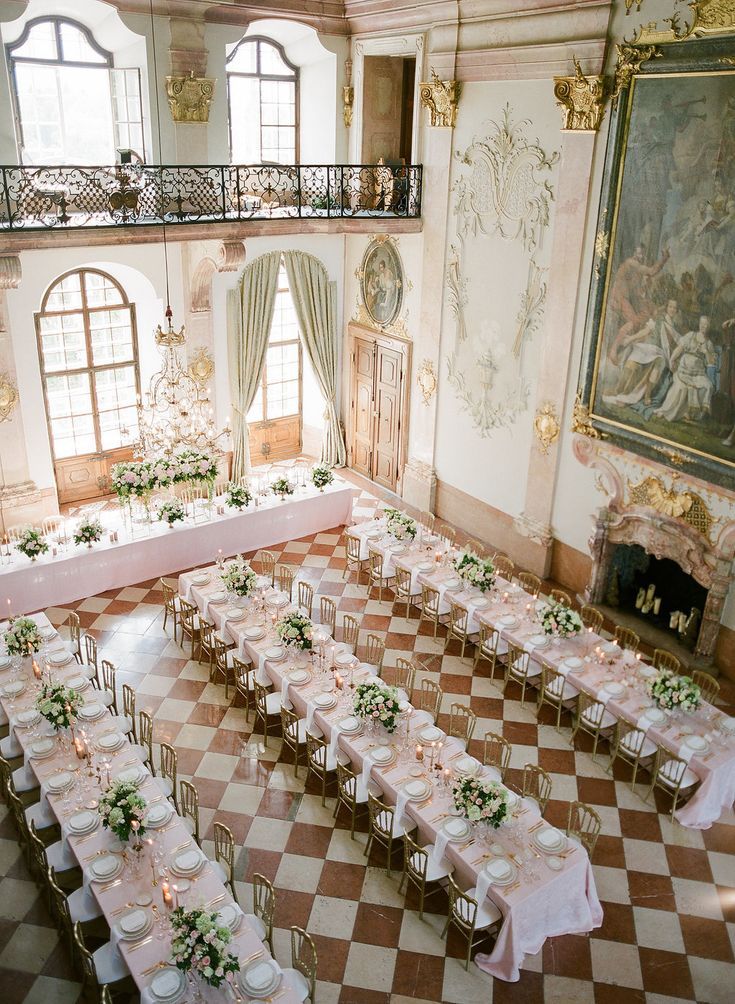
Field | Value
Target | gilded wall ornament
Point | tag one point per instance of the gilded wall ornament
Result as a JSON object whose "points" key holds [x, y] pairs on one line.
{"points": [[630, 59], [8, 397], [602, 244], [546, 426], [441, 97], [709, 17], [189, 97], [581, 421], [581, 99], [685, 505], [427, 380], [630, 4], [201, 366]]}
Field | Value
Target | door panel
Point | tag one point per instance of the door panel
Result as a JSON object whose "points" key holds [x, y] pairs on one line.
{"points": [[362, 397], [388, 409], [81, 479], [275, 440]]}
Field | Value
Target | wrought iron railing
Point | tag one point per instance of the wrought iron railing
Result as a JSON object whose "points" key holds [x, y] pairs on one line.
{"points": [[39, 198]]}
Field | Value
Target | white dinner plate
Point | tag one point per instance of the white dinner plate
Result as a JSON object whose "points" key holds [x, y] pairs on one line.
{"points": [[238, 614], [132, 774], [417, 789], [615, 689], [467, 765], [481, 602], [158, 815], [501, 871], [167, 985], [299, 676], [279, 599], [556, 864], [456, 828], [549, 839], [187, 863], [453, 583], [106, 867], [60, 782], [648, 672], [538, 640], [431, 734], [91, 712], [425, 566], [728, 725], [135, 924], [42, 747], [655, 715], [325, 700], [78, 683], [350, 724], [59, 658], [110, 742], [229, 916], [343, 658], [508, 620], [382, 754], [275, 653], [573, 662], [261, 978], [14, 688], [697, 743], [25, 719], [254, 632], [200, 578], [83, 822], [219, 597], [5, 662]]}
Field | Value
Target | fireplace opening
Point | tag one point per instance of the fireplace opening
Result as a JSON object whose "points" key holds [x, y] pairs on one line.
{"points": [[657, 591]]}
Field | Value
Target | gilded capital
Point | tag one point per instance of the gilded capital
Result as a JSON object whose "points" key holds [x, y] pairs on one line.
{"points": [[8, 397], [441, 97], [189, 97], [581, 99]]}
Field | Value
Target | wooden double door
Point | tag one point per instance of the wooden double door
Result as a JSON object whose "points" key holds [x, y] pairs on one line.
{"points": [[379, 405]]}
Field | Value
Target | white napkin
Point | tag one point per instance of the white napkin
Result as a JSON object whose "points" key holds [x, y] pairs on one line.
{"points": [[483, 884], [286, 701], [440, 845]]}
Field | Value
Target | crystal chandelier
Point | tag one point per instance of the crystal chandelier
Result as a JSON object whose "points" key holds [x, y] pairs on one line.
{"points": [[177, 413]]}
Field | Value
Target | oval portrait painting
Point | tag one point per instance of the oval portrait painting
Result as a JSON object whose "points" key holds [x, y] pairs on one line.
{"points": [[382, 282]]}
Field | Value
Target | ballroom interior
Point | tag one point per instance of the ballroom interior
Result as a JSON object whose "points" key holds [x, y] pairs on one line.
{"points": [[367, 482]]}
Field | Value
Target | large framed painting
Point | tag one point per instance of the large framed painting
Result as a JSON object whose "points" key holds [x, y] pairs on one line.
{"points": [[381, 281], [658, 373]]}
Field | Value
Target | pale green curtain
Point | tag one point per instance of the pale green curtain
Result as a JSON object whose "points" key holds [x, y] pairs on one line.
{"points": [[249, 316], [315, 300]]}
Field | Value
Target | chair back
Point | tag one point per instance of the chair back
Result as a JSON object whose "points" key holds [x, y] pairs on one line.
{"points": [[38, 851], [285, 576], [90, 650], [430, 601], [559, 596], [462, 721], [709, 686], [188, 614], [346, 783], [289, 725], [427, 520], [666, 660], [189, 805], [585, 824], [224, 848], [447, 533], [350, 631], [462, 908], [404, 675], [303, 958], [518, 660], [589, 711], [305, 596], [375, 651], [496, 752], [537, 784], [375, 565], [145, 735], [169, 765], [403, 582], [457, 619], [430, 697], [128, 696], [504, 566], [488, 641], [51, 524], [626, 638], [352, 547], [591, 618], [530, 582], [552, 685], [75, 631], [268, 565], [261, 694], [316, 753], [84, 958], [264, 903], [474, 546], [169, 595], [381, 817], [108, 681], [415, 859], [328, 614]]}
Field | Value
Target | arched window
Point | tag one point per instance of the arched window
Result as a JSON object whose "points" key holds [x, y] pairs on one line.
{"points": [[262, 94], [73, 106], [88, 349]]}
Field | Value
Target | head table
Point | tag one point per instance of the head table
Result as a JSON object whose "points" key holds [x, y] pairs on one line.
{"points": [[133, 887], [76, 571]]}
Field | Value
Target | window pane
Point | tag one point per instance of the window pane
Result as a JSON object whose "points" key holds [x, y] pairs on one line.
{"points": [[66, 295], [111, 335], [40, 44], [272, 62], [245, 120], [76, 48], [118, 418], [39, 105], [100, 290], [245, 59], [62, 342], [256, 412], [87, 110]]}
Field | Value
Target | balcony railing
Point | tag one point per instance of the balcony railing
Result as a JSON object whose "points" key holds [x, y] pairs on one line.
{"points": [[41, 198]]}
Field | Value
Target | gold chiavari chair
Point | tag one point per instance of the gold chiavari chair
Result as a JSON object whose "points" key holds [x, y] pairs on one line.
{"points": [[559, 596], [264, 908], [351, 631], [244, 682], [592, 718], [190, 623], [462, 722], [402, 589], [170, 606], [305, 596], [666, 660], [591, 618], [504, 566], [145, 738], [60, 912], [419, 867], [375, 574], [169, 768], [75, 635], [474, 546], [556, 692], [457, 627], [268, 565], [320, 761], [671, 774], [430, 607], [631, 745], [353, 561], [224, 665], [430, 697], [128, 702], [375, 652], [708, 685], [302, 974], [626, 638], [536, 785], [447, 533], [497, 752], [189, 808], [267, 705], [349, 794], [427, 520], [404, 675], [51, 524], [520, 668], [108, 686], [584, 824], [328, 614], [285, 577], [105, 966], [224, 856], [530, 583], [293, 731], [384, 829], [206, 643], [90, 654], [487, 647], [470, 917]]}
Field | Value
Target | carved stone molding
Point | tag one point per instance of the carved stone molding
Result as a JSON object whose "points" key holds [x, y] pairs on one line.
{"points": [[427, 380], [581, 421], [348, 95], [441, 97], [418, 484], [11, 272], [8, 397], [581, 99], [230, 256], [546, 426], [189, 97], [539, 533], [684, 505]]}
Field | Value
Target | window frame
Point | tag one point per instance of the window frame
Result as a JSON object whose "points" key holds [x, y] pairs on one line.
{"points": [[90, 369], [296, 79], [263, 383]]}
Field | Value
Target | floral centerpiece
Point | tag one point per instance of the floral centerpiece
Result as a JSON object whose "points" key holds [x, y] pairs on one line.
{"points": [[199, 945], [22, 637], [59, 705], [282, 487], [31, 543], [557, 619], [295, 631], [475, 571], [120, 807], [136, 479], [668, 690], [238, 496], [377, 703], [171, 511], [481, 801], [321, 476], [88, 532], [400, 526], [238, 577], [194, 466]]}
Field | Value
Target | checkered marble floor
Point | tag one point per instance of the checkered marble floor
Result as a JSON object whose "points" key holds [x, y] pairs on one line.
{"points": [[668, 893]]}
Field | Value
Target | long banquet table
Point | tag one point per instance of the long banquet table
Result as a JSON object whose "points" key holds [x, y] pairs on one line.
{"points": [[80, 572], [148, 953], [546, 903]]}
